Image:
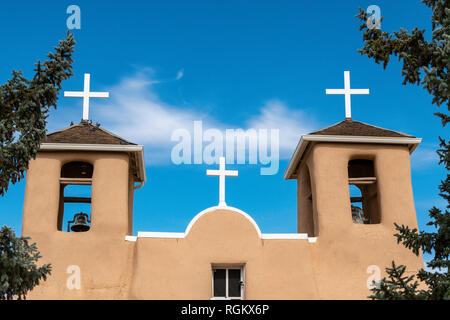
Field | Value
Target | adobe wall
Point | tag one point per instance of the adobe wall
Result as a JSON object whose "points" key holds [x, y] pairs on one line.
{"points": [[345, 250], [181, 268], [164, 268], [333, 267], [101, 253]]}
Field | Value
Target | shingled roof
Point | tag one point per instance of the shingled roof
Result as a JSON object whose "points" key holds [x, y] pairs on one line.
{"points": [[348, 131], [350, 127], [85, 133]]}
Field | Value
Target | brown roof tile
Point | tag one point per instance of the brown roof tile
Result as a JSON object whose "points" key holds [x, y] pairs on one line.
{"points": [[349, 127], [85, 133]]}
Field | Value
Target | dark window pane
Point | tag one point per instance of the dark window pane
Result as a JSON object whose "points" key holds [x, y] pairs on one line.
{"points": [[219, 282], [77, 170], [234, 285]]}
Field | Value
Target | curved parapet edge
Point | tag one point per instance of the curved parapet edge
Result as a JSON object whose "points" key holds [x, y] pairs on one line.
{"points": [[181, 235]]}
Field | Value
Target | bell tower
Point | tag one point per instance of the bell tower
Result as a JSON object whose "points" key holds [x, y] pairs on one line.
{"points": [[79, 203], [354, 183], [352, 174], [83, 167], [96, 164]]}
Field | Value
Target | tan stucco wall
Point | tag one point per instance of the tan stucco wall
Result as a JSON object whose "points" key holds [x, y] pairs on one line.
{"points": [[345, 250], [181, 268], [307, 216], [100, 252], [333, 267]]}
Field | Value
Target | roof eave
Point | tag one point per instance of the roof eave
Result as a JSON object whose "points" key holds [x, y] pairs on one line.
{"points": [[138, 149], [309, 138]]}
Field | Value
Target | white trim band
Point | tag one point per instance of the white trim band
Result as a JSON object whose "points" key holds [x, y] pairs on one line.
{"points": [[284, 236], [361, 139], [90, 147], [172, 235], [263, 236]]}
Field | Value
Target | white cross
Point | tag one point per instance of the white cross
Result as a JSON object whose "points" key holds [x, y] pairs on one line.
{"points": [[222, 173], [347, 92], [86, 94]]}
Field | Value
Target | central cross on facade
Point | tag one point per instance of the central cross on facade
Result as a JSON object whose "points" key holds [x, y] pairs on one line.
{"points": [[347, 92], [86, 94], [222, 173]]}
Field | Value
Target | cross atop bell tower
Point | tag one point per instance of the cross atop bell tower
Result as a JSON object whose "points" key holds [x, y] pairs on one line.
{"points": [[347, 92], [86, 94]]}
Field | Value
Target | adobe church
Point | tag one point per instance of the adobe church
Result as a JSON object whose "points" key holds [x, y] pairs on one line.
{"points": [[222, 254]]}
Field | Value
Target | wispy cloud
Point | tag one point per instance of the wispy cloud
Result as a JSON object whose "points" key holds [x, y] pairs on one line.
{"points": [[291, 123], [424, 156], [180, 74], [135, 112]]}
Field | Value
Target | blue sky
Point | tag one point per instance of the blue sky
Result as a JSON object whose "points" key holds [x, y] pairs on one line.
{"points": [[232, 64]]}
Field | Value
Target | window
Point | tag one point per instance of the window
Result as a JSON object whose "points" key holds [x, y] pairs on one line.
{"points": [[75, 197], [228, 282], [363, 192]]}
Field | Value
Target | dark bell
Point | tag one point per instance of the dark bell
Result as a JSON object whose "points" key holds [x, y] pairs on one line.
{"points": [[80, 222]]}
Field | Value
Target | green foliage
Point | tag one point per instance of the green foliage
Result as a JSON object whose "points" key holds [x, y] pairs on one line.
{"points": [[24, 107], [397, 286], [18, 270], [425, 63]]}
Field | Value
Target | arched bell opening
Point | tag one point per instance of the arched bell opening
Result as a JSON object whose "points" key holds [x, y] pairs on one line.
{"points": [[363, 192], [75, 197]]}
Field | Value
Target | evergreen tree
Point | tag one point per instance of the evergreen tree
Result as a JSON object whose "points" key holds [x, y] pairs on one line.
{"points": [[18, 271], [24, 107], [425, 63]]}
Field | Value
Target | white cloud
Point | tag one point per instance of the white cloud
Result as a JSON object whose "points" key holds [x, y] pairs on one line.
{"points": [[424, 156], [180, 74], [291, 123], [135, 112]]}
